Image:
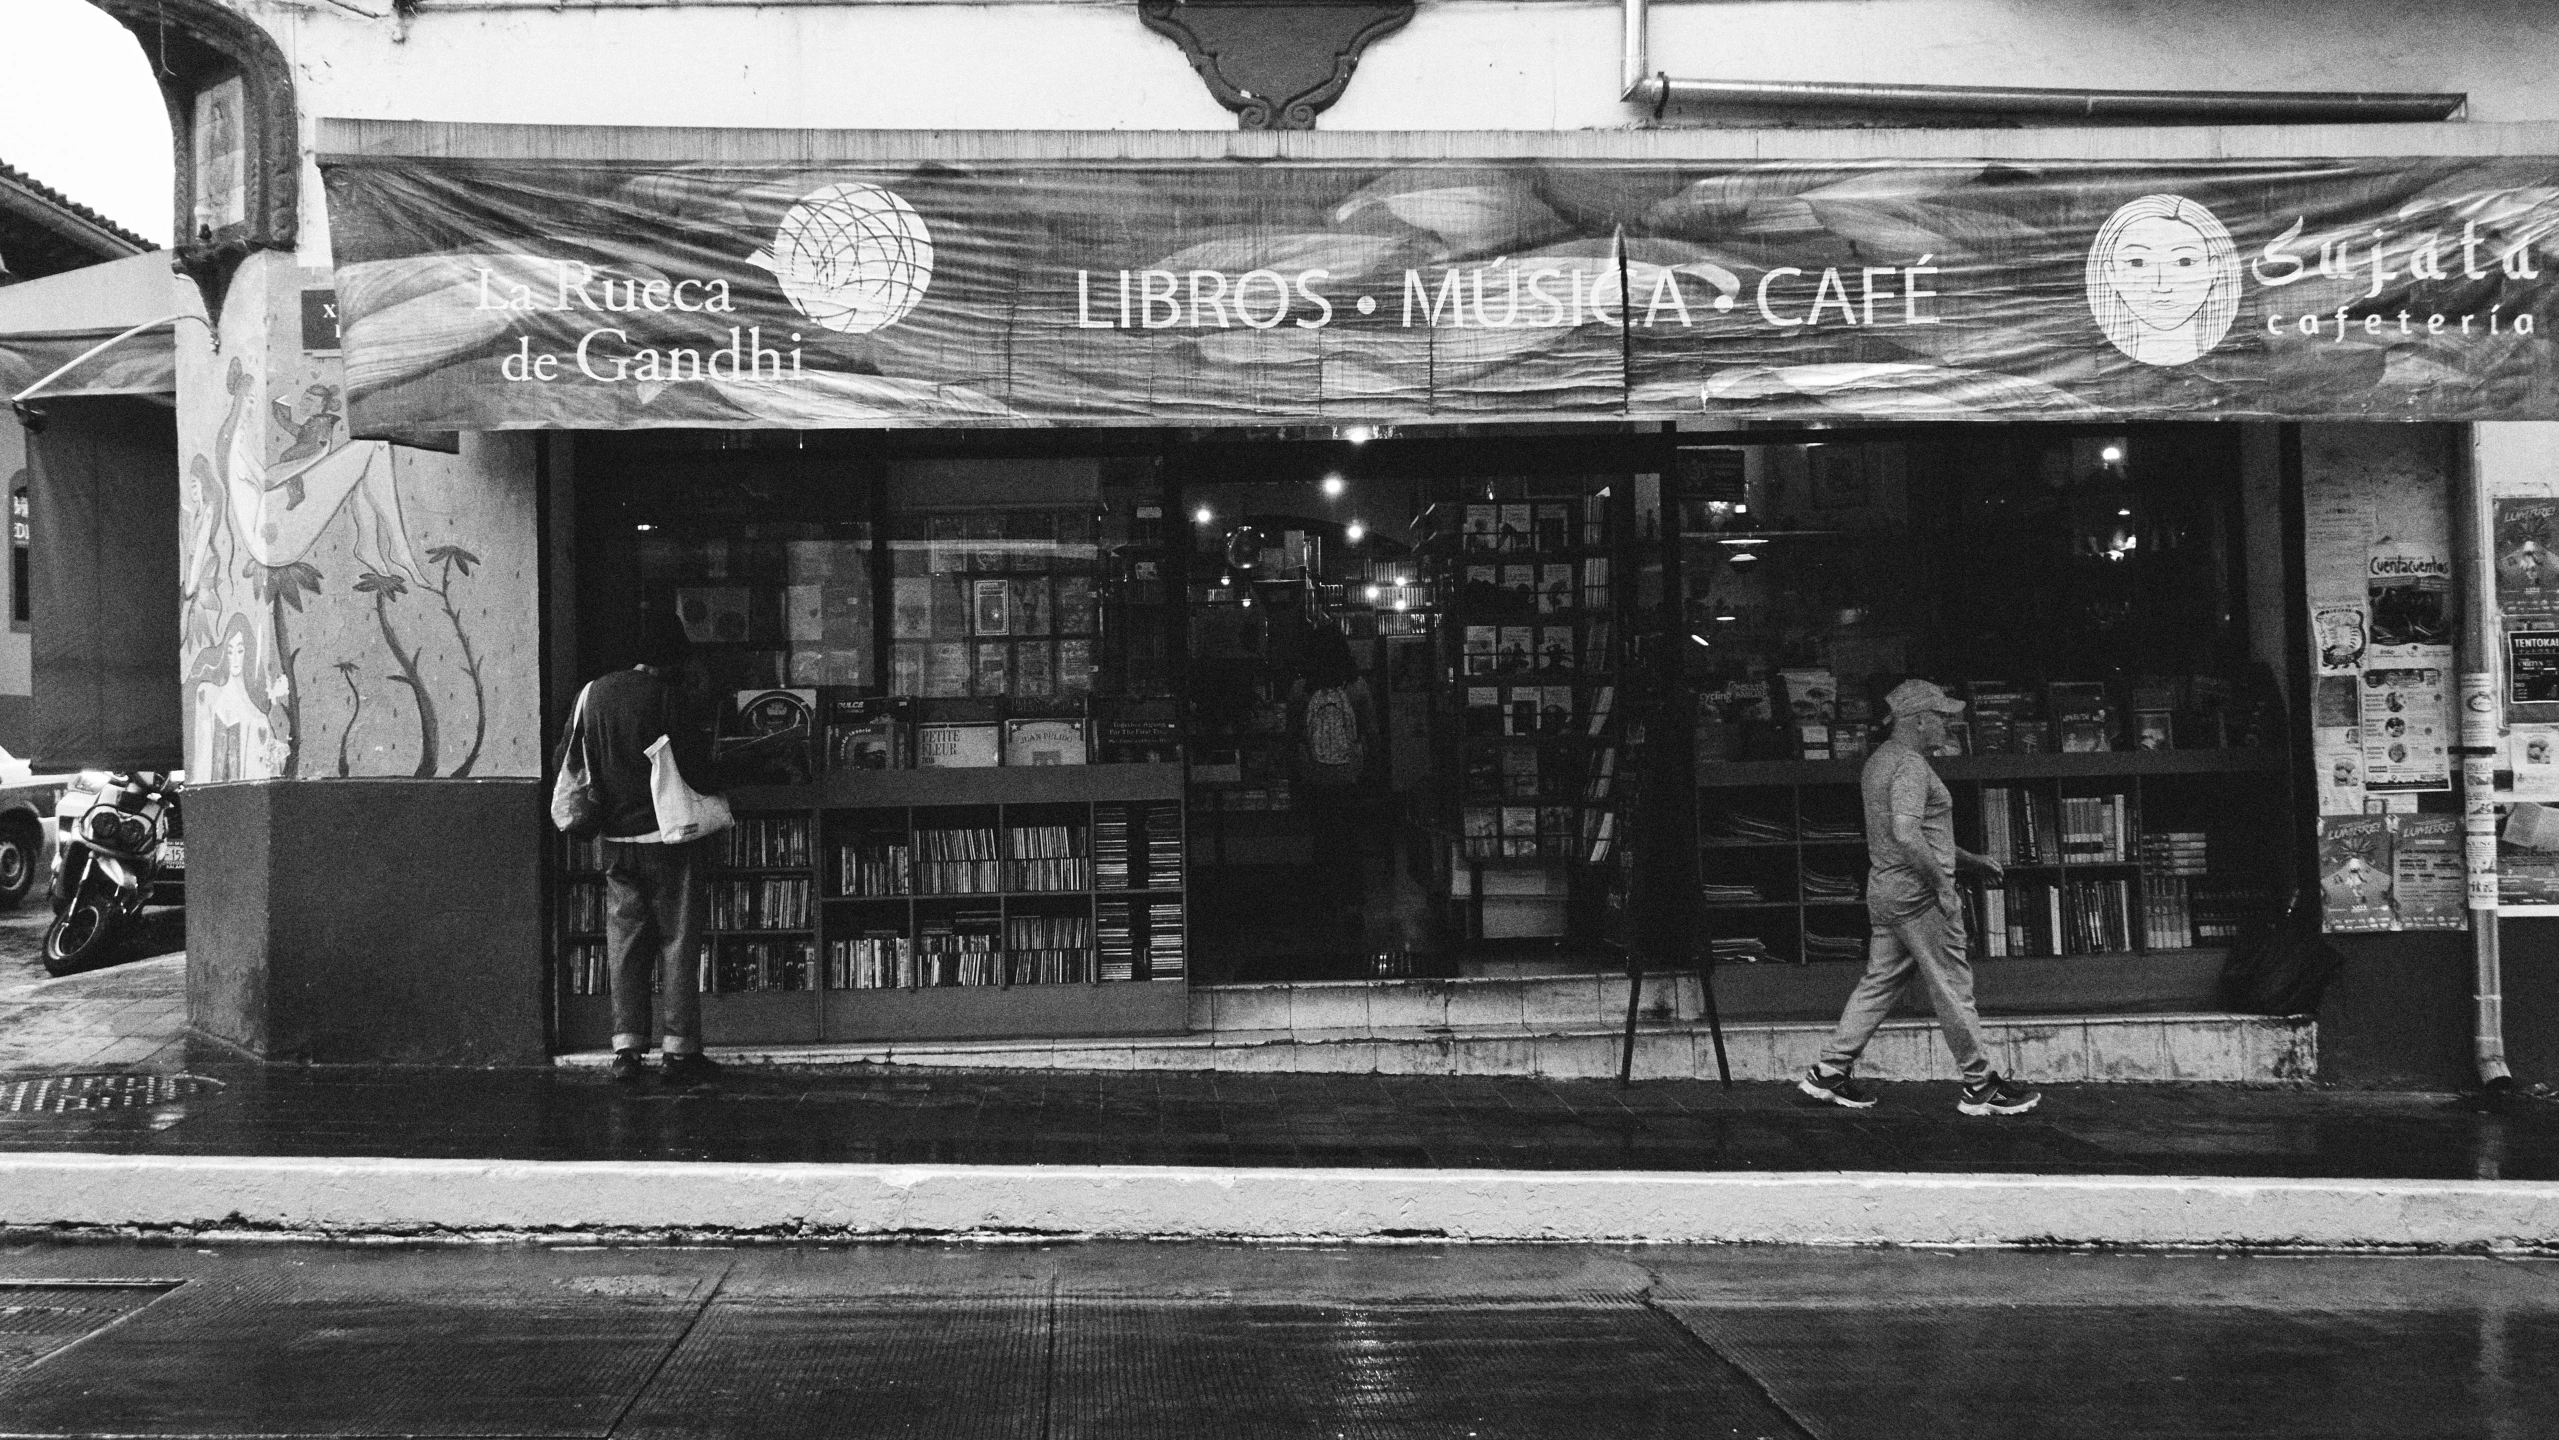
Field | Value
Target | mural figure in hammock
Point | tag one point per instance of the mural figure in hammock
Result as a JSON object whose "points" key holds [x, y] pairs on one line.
{"points": [[258, 520]]}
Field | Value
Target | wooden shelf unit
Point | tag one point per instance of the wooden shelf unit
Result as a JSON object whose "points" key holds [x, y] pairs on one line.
{"points": [[888, 801], [2234, 796]]}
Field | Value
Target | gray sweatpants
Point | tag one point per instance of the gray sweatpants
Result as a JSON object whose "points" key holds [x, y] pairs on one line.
{"points": [[1929, 945]]}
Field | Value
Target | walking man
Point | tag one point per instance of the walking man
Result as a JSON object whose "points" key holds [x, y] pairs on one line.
{"points": [[653, 900], [1916, 913]]}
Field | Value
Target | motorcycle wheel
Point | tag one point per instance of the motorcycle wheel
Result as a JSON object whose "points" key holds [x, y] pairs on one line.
{"points": [[83, 933]]}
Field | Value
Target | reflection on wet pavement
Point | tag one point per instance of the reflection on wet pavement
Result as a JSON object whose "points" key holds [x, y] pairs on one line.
{"points": [[1501, 1122], [1143, 1341]]}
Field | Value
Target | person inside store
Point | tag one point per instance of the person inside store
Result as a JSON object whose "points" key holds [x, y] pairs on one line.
{"points": [[653, 891], [1915, 912], [1332, 720]]}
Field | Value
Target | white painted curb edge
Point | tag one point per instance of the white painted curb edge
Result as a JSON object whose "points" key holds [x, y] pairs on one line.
{"points": [[463, 1197]]}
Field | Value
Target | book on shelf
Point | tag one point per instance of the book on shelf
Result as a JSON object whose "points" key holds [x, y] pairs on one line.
{"points": [[1046, 742], [766, 842], [1048, 858], [585, 908], [875, 866], [962, 860], [875, 960], [767, 740], [769, 903], [744, 965], [958, 746], [869, 733], [583, 963], [1552, 525]]}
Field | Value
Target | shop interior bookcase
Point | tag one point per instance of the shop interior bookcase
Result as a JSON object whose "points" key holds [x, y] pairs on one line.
{"points": [[795, 1004], [2235, 796]]}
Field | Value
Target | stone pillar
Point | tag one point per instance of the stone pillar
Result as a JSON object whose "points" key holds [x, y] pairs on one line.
{"points": [[359, 651]]}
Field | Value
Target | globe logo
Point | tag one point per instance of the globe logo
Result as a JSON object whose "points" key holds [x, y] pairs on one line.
{"points": [[853, 258]]}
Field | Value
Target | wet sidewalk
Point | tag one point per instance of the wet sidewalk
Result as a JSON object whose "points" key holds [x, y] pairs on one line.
{"points": [[219, 1106], [1136, 1341]]}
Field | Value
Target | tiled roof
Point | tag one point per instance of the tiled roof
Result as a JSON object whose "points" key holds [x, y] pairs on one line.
{"points": [[16, 178]]}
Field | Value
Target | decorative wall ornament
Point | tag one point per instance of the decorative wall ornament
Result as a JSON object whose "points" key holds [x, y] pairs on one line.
{"points": [[229, 93], [1276, 63]]}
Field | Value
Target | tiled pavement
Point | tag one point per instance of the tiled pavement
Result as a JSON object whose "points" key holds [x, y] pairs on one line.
{"points": [[127, 1016]]}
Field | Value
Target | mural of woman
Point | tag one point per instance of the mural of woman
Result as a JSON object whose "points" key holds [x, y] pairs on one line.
{"points": [[234, 739], [2163, 280]]}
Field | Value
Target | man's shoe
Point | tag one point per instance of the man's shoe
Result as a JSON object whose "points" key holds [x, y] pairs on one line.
{"points": [[627, 1066], [692, 1069], [1994, 1096], [1841, 1089]]}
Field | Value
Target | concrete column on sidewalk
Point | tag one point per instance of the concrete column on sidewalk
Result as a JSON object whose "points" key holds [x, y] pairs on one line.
{"points": [[359, 643]]}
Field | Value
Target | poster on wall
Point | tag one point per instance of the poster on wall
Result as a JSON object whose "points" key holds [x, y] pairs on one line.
{"points": [[2356, 873], [2528, 855], [2532, 676], [2428, 881], [2409, 594], [2339, 635], [2336, 758], [2527, 551], [2532, 754], [483, 293], [2405, 724]]}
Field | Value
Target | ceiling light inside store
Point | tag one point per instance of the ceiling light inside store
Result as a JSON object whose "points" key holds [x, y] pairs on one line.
{"points": [[1741, 556], [2111, 454], [1359, 434], [1333, 484]]}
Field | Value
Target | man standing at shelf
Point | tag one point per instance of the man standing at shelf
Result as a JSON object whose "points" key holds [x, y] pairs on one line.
{"points": [[1916, 913], [653, 891]]}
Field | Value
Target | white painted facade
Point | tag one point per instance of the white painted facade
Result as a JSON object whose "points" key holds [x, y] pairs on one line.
{"points": [[1460, 64]]}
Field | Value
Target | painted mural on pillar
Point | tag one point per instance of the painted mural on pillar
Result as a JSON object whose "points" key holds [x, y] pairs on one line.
{"points": [[348, 604]]}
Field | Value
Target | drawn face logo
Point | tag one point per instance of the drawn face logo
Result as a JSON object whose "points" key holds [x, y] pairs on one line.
{"points": [[2163, 280], [853, 258]]}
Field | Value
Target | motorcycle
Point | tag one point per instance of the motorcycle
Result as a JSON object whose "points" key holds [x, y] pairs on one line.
{"points": [[120, 845]]}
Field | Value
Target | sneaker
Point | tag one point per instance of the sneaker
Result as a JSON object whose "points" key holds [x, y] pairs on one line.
{"points": [[1994, 1096], [691, 1069], [627, 1066], [1839, 1089]]}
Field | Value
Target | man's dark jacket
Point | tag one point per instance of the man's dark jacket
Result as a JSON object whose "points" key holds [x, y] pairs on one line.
{"points": [[626, 712]]}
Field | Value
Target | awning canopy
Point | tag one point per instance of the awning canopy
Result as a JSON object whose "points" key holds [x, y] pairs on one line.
{"points": [[494, 277], [46, 324]]}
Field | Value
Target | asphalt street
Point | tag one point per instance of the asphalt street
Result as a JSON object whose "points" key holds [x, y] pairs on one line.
{"points": [[1132, 1341]]}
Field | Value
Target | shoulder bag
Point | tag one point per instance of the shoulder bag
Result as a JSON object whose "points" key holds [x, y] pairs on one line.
{"points": [[684, 813], [576, 808]]}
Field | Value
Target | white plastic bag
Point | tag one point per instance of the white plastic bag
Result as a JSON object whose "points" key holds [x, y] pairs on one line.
{"points": [[683, 812]]}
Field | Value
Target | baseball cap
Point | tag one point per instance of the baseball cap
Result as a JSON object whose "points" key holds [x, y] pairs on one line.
{"points": [[1911, 697]]}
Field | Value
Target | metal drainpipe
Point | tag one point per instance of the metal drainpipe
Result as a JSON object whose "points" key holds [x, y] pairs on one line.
{"points": [[1639, 85], [2478, 746]]}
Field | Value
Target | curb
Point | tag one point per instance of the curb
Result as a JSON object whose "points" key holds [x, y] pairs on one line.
{"points": [[356, 1198]]}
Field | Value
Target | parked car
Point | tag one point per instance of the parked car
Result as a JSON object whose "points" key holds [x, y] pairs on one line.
{"points": [[27, 833]]}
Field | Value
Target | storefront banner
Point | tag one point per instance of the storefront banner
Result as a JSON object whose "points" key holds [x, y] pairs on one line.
{"points": [[481, 294]]}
